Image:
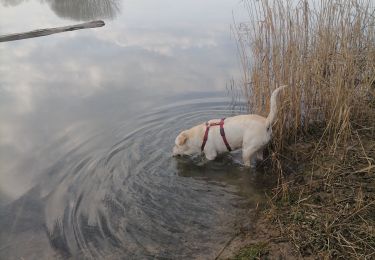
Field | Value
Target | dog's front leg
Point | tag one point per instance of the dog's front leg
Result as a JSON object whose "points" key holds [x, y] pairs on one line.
{"points": [[210, 155]]}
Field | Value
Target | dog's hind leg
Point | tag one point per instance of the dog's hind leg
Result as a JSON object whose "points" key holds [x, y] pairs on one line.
{"points": [[260, 154], [248, 154]]}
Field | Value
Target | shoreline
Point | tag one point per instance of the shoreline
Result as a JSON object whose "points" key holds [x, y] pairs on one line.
{"points": [[324, 207]]}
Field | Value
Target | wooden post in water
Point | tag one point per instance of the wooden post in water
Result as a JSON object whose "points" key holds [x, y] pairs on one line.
{"points": [[48, 31]]}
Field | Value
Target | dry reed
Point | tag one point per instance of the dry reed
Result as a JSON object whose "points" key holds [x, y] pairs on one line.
{"points": [[325, 52]]}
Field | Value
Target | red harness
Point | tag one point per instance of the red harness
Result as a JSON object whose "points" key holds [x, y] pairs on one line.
{"points": [[222, 133]]}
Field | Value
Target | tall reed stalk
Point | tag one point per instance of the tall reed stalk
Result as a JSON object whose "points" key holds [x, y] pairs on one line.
{"points": [[323, 50]]}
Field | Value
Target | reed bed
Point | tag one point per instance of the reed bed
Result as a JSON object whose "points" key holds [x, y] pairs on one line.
{"points": [[325, 52]]}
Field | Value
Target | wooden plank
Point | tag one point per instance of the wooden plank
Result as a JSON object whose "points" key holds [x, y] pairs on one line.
{"points": [[48, 31]]}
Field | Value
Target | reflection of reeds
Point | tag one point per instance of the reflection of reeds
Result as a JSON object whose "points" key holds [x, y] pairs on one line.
{"points": [[324, 52]]}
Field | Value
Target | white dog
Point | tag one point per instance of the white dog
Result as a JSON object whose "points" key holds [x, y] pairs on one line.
{"points": [[249, 132]]}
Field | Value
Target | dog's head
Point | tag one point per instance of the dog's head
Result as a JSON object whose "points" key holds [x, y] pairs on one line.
{"points": [[182, 145]]}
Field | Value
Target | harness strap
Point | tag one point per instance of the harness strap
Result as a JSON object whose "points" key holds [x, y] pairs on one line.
{"points": [[222, 133], [205, 136]]}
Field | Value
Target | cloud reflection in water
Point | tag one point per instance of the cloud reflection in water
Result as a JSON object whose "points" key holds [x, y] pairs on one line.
{"points": [[68, 100], [78, 84]]}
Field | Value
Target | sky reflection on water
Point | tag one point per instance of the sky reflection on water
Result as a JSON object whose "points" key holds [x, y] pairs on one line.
{"points": [[66, 101], [151, 51]]}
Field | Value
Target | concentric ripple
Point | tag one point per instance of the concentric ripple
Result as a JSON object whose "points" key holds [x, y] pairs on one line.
{"points": [[133, 199]]}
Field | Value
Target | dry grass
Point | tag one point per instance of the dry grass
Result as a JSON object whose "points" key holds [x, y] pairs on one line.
{"points": [[328, 207], [325, 51]]}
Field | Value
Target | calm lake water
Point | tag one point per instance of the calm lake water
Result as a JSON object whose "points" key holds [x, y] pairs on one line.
{"points": [[88, 121]]}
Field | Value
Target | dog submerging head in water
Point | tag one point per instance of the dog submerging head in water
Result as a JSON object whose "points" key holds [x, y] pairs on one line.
{"points": [[249, 132]]}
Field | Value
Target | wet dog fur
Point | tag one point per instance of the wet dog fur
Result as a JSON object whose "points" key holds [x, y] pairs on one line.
{"points": [[249, 132]]}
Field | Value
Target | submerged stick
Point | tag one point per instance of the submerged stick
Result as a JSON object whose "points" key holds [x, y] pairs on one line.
{"points": [[48, 31]]}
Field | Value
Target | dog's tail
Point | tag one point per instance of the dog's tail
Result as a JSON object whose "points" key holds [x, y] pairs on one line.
{"points": [[273, 110]]}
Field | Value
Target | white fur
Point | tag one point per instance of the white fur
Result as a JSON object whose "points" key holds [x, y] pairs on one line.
{"points": [[249, 132]]}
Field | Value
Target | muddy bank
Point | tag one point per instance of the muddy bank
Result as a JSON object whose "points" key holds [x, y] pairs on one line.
{"points": [[324, 206], [258, 238]]}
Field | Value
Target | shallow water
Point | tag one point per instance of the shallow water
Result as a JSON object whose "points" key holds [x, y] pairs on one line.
{"points": [[88, 121]]}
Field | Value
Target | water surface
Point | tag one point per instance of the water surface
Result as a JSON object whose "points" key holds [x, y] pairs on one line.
{"points": [[88, 121]]}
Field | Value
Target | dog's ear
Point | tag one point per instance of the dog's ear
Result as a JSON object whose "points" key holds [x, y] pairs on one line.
{"points": [[182, 138]]}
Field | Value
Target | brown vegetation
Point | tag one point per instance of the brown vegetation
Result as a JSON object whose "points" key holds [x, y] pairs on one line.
{"points": [[323, 147]]}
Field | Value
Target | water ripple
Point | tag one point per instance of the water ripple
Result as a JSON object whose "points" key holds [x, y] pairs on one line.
{"points": [[133, 199]]}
